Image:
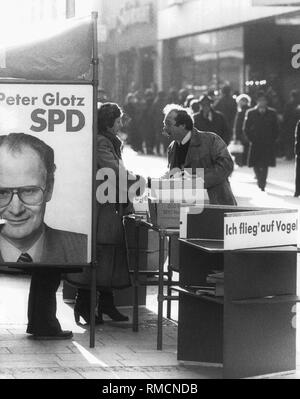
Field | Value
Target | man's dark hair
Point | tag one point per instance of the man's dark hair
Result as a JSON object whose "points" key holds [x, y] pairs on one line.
{"points": [[15, 142], [226, 90], [261, 94], [183, 116], [107, 115]]}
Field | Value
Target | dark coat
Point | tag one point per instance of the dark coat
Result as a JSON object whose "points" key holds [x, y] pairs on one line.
{"points": [[228, 107], [209, 152], [238, 133], [290, 119], [112, 267], [217, 125], [297, 153], [297, 140], [262, 130]]}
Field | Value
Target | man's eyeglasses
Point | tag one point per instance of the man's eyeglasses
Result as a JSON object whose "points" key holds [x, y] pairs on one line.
{"points": [[29, 195]]}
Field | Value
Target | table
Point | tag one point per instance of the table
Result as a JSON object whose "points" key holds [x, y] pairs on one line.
{"points": [[161, 282], [250, 331]]}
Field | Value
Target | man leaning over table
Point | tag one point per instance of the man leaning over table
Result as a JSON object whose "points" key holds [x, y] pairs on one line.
{"points": [[192, 149]]}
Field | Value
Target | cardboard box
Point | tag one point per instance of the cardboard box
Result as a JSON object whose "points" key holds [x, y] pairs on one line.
{"points": [[165, 216], [148, 260], [147, 239]]}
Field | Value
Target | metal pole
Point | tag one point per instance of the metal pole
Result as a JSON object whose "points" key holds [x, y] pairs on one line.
{"points": [[160, 297], [135, 322], [95, 64]]}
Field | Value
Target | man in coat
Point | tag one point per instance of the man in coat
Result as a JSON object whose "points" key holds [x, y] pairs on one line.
{"points": [[209, 120], [227, 106], [26, 184], [262, 130], [192, 149]]}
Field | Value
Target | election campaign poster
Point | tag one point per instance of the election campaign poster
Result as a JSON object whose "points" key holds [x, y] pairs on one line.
{"points": [[46, 172]]}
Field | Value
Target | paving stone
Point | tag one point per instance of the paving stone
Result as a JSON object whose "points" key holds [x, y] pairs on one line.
{"points": [[149, 362], [46, 373], [99, 375], [4, 331], [132, 375], [30, 357], [9, 366], [36, 350], [149, 348], [4, 351], [80, 359]]}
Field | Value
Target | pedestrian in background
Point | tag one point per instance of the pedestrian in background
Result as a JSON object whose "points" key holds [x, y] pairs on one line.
{"points": [[262, 130], [297, 153], [147, 122], [227, 106], [140, 106], [209, 120], [158, 122], [131, 128], [188, 100], [291, 117], [243, 104], [182, 96], [195, 106]]}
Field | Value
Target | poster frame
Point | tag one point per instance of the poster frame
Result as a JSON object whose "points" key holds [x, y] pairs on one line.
{"points": [[93, 264]]}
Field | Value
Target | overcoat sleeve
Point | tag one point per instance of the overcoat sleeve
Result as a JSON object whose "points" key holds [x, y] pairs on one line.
{"points": [[222, 164]]}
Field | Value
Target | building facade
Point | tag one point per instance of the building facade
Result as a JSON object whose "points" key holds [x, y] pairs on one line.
{"points": [[128, 53], [206, 43]]}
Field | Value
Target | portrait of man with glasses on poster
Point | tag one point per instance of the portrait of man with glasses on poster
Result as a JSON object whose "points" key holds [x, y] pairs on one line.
{"points": [[27, 181]]}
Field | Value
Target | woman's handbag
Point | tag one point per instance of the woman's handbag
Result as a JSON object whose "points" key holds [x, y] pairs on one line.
{"points": [[236, 149]]}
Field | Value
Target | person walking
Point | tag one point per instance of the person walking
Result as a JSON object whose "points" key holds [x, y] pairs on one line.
{"points": [[297, 153], [243, 103], [261, 127], [130, 110], [147, 122], [291, 116], [209, 120], [112, 271], [158, 122], [227, 106]]}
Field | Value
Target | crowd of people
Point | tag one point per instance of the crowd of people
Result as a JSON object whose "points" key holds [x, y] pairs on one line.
{"points": [[227, 114]]}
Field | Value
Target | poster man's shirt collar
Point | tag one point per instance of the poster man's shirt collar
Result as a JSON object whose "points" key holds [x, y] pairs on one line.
{"points": [[11, 254]]}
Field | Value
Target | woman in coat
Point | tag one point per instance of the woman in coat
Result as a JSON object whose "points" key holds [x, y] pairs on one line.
{"points": [[243, 103], [262, 130], [113, 202]]}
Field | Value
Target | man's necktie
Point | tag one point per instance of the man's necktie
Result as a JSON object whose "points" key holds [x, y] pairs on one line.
{"points": [[25, 258]]}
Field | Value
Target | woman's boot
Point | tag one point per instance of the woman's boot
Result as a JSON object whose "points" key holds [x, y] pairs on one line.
{"points": [[106, 306], [82, 308]]}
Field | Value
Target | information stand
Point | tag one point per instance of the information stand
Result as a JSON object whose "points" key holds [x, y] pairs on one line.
{"points": [[250, 331], [43, 113]]}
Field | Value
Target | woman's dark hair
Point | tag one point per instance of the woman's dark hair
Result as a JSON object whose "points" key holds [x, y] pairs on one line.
{"points": [[107, 115]]}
